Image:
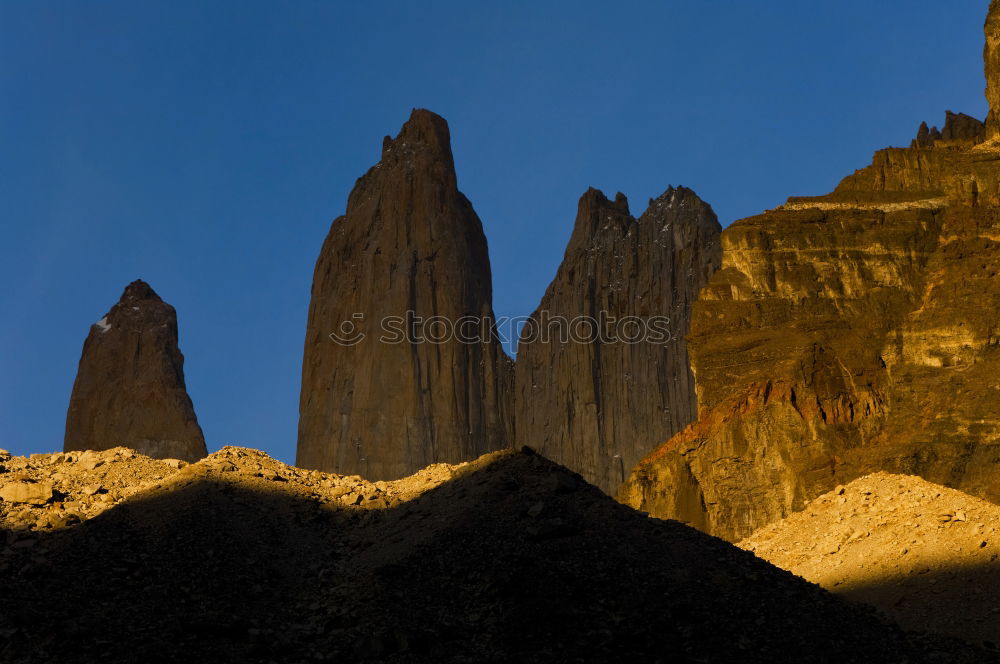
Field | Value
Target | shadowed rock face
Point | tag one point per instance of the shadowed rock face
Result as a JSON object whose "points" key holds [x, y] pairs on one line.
{"points": [[846, 334], [409, 242], [129, 389], [598, 405]]}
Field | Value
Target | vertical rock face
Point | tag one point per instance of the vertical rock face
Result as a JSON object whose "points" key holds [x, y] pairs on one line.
{"points": [[991, 56], [129, 389], [847, 334], [602, 372], [408, 393]]}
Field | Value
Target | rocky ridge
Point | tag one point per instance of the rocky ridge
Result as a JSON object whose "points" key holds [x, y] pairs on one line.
{"points": [[50, 491], [129, 388], [507, 558], [925, 555], [843, 335], [960, 130]]}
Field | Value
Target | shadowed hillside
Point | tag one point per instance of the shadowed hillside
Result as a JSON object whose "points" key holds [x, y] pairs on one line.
{"points": [[508, 558]]}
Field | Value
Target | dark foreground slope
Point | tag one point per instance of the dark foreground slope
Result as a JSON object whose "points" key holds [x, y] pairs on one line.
{"points": [[239, 558]]}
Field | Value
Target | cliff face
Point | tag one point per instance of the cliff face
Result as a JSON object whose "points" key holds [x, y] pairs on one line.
{"points": [[846, 334], [991, 56], [129, 388], [602, 367], [403, 396]]}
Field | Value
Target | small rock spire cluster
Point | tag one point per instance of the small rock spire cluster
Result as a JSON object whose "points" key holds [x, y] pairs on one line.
{"points": [[959, 128]]}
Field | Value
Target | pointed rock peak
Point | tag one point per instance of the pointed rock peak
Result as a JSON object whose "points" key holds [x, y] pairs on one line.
{"points": [[680, 197], [595, 214], [991, 62], [923, 139], [674, 196], [594, 199], [139, 290], [425, 132], [139, 308]]}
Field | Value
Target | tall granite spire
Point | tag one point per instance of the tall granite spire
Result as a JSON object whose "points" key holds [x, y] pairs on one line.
{"points": [[385, 391], [129, 389], [610, 379]]}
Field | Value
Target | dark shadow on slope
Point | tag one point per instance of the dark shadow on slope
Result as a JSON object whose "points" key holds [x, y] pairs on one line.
{"points": [[948, 598], [514, 560]]}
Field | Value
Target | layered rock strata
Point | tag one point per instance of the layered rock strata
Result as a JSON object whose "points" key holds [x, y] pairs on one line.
{"points": [[843, 335]]}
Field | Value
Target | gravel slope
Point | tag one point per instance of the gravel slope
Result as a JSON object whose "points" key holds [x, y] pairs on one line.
{"points": [[925, 555]]}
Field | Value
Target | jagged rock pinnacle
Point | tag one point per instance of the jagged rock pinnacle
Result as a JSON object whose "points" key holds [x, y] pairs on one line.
{"points": [[598, 404]]}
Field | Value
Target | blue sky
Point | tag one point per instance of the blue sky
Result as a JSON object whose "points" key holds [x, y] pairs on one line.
{"points": [[206, 146]]}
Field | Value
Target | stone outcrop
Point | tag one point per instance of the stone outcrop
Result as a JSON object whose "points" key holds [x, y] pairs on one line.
{"points": [[962, 127], [925, 137], [843, 335], [602, 372], [960, 130], [129, 389], [409, 393]]}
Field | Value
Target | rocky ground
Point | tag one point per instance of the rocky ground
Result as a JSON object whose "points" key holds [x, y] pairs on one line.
{"points": [[926, 555], [115, 557]]}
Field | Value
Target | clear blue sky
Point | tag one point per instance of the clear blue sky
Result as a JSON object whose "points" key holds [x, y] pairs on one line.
{"points": [[206, 146]]}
